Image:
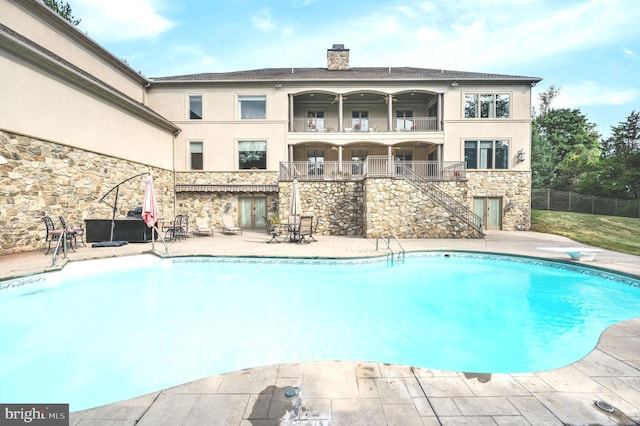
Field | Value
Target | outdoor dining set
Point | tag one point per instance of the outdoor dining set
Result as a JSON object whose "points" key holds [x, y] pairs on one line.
{"points": [[298, 229]]}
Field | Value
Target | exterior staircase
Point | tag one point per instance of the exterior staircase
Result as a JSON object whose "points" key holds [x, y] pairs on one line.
{"points": [[439, 196]]}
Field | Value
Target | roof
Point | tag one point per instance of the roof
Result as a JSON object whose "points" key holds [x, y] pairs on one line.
{"points": [[359, 74]]}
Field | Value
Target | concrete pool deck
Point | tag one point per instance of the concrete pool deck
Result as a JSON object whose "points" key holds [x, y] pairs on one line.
{"points": [[373, 393]]}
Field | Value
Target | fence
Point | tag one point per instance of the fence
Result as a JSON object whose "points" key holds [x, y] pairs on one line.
{"points": [[550, 199]]}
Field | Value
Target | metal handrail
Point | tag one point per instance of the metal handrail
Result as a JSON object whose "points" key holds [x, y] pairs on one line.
{"points": [[387, 241], [166, 248], [400, 245], [63, 240], [442, 198]]}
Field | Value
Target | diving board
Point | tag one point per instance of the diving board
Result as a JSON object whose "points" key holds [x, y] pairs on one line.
{"points": [[576, 253]]}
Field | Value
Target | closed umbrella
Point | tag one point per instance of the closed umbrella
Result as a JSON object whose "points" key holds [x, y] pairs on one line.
{"points": [[150, 208], [295, 208]]}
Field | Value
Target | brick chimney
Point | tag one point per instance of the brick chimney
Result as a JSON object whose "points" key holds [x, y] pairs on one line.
{"points": [[337, 58]]}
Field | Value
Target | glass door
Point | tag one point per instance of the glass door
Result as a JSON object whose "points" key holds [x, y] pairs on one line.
{"points": [[252, 211], [490, 210]]}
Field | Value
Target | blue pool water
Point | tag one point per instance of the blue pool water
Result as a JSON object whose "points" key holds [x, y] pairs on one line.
{"points": [[102, 331]]}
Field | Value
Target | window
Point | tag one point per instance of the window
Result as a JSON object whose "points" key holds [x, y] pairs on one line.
{"points": [[195, 154], [404, 120], [315, 120], [195, 107], [486, 105], [252, 155], [404, 155], [252, 107], [486, 154], [360, 120]]}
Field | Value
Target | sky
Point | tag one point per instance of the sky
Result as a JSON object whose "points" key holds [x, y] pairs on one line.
{"points": [[588, 49]]}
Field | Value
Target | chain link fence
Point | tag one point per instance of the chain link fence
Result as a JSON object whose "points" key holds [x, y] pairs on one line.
{"points": [[550, 199]]}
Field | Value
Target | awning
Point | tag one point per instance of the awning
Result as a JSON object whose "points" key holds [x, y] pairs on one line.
{"points": [[226, 188]]}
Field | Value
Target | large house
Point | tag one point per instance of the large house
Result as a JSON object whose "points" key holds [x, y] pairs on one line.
{"points": [[410, 152]]}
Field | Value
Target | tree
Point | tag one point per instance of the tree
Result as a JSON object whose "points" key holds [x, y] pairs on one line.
{"points": [[575, 142], [543, 161], [547, 97], [62, 9], [619, 172]]}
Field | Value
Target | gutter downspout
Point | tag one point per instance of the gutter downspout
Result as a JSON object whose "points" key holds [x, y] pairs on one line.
{"points": [[175, 177]]}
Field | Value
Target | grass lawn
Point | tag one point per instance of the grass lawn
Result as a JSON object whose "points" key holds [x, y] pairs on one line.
{"points": [[608, 232]]}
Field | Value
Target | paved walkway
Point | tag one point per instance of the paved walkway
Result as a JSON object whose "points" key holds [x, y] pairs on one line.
{"points": [[369, 393]]}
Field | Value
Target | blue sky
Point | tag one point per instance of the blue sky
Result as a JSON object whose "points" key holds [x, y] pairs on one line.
{"points": [[589, 49]]}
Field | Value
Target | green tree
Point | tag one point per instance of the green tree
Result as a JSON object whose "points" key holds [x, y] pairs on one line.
{"points": [[62, 9], [618, 174], [543, 161], [575, 142]]}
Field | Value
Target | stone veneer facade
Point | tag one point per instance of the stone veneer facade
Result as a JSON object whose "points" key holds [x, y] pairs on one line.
{"points": [[41, 178], [515, 190]]}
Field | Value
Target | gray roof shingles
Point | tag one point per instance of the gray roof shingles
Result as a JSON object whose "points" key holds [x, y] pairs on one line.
{"points": [[323, 74]]}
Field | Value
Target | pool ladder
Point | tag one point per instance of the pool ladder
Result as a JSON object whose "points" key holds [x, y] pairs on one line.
{"points": [[391, 256]]}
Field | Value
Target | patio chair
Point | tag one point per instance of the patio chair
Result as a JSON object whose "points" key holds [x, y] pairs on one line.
{"points": [[293, 227], [273, 230], [78, 231], [54, 234], [306, 229], [177, 230], [229, 226]]}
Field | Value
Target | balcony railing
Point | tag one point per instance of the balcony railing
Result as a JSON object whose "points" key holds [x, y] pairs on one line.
{"points": [[373, 166], [329, 124]]}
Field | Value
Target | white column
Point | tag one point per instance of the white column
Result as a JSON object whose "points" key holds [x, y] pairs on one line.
{"points": [[291, 113], [340, 126], [390, 112]]}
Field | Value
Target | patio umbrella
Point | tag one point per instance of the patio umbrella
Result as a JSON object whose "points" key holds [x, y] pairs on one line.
{"points": [[295, 208], [150, 208]]}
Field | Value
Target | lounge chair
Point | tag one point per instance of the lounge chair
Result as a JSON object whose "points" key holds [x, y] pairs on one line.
{"points": [[202, 229], [229, 226]]}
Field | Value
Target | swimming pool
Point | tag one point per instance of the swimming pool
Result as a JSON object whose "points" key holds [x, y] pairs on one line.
{"points": [[106, 330]]}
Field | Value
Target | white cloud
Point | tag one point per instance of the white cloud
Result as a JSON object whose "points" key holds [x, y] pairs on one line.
{"points": [[588, 93], [262, 20], [117, 20], [628, 52]]}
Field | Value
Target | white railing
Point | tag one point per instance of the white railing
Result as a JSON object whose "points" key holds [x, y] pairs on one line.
{"points": [[367, 125], [373, 166], [325, 170]]}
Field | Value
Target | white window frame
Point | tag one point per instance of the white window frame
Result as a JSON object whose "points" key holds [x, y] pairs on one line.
{"points": [[492, 113], [190, 152], [266, 153], [194, 95], [242, 98]]}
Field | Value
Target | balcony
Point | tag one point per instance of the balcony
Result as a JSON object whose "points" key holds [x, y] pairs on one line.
{"points": [[373, 166], [369, 125], [365, 111]]}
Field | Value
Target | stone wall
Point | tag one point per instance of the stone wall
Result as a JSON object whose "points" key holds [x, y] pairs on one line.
{"points": [[395, 207], [338, 206], [208, 207], [515, 190], [41, 178]]}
